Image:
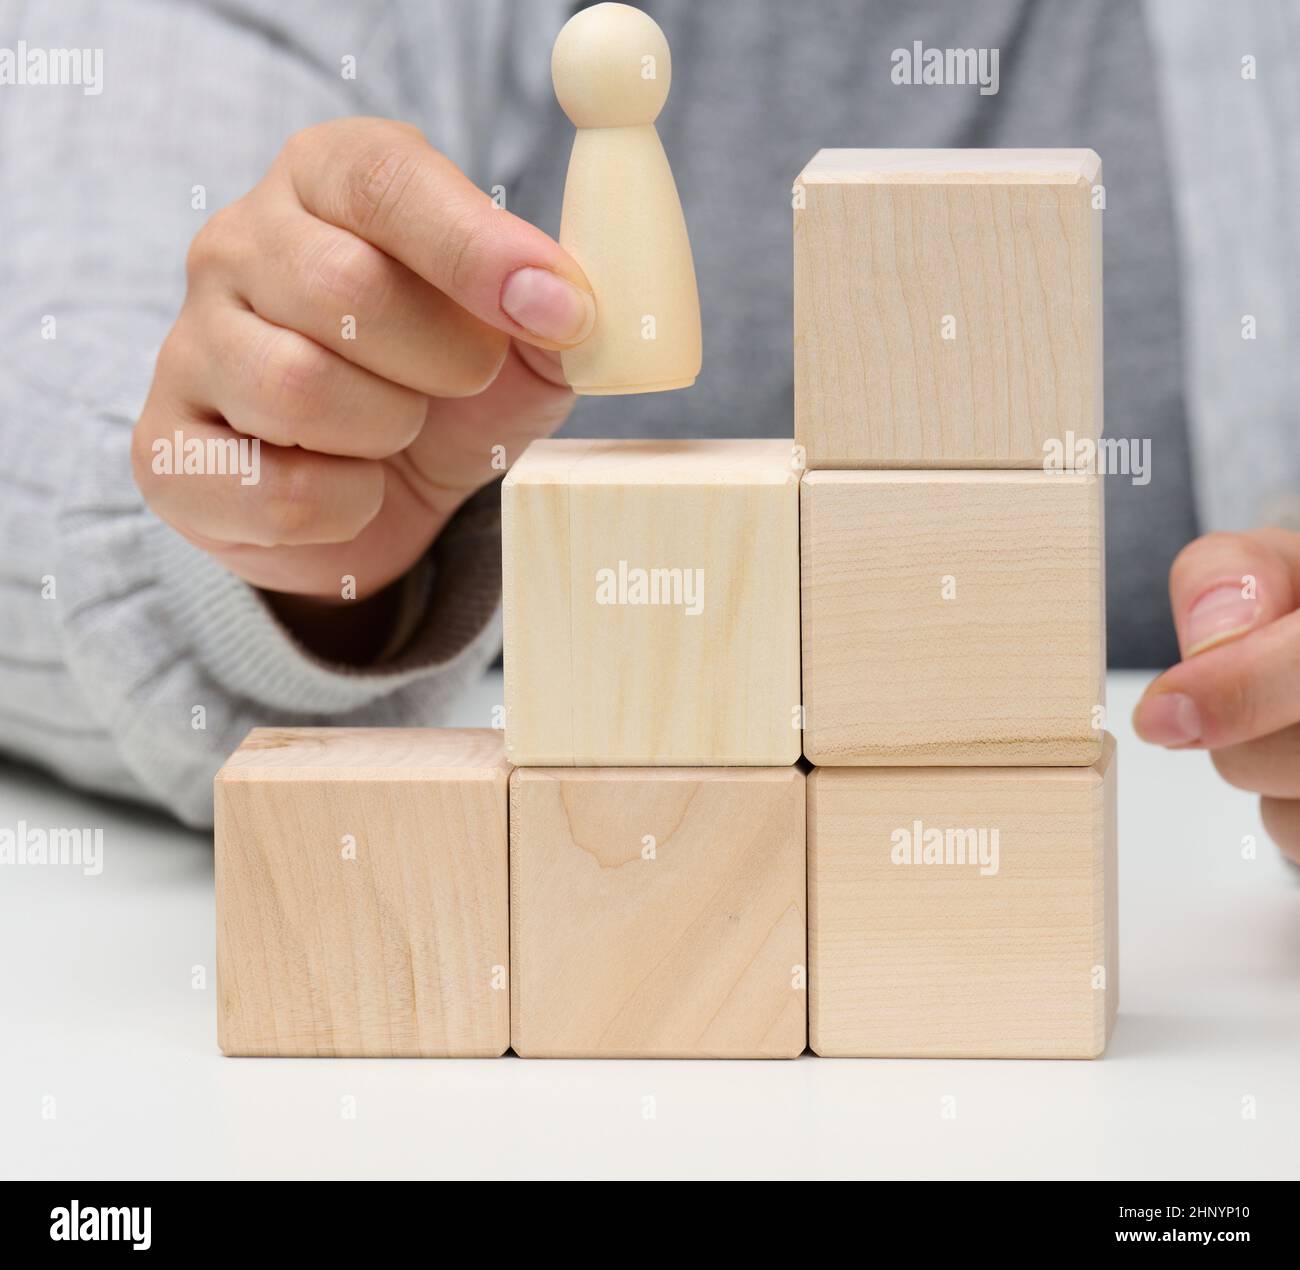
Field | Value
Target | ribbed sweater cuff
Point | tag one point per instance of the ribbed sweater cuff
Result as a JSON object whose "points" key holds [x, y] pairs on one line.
{"points": [[239, 640]]}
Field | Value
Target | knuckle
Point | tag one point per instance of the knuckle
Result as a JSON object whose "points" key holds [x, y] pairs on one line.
{"points": [[296, 379], [384, 421], [411, 416], [289, 503], [173, 382], [211, 247], [478, 365], [203, 254], [349, 275], [404, 414], [175, 357], [368, 478], [305, 141], [375, 182], [142, 439], [462, 248]]}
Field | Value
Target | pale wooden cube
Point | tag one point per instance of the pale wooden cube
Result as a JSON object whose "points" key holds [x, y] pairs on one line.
{"points": [[947, 307], [657, 913], [651, 603], [953, 617], [362, 894], [925, 946]]}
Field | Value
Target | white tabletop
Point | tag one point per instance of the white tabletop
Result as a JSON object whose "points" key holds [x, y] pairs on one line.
{"points": [[98, 1013]]}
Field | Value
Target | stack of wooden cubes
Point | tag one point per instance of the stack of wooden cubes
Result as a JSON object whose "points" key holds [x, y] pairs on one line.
{"points": [[657, 812], [647, 866], [948, 369]]}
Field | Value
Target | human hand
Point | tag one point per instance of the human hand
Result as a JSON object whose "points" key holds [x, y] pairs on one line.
{"points": [[379, 325], [1236, 692]]}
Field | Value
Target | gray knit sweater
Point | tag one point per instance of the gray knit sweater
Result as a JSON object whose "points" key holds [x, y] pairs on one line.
{"points": [[130, 663]]}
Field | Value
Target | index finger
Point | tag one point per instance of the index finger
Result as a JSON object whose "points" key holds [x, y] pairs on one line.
{"points": [[383, 182], [1224, 585], [1232, 693]]}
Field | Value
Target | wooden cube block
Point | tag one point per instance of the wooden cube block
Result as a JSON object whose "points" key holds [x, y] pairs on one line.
{"points": [[362, 894], [657, 913], [651, 596], [947, 307], [963, 912], [952, 617]]}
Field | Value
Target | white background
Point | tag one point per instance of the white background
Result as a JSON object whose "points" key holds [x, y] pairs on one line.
{"points": [[97, 1011]]}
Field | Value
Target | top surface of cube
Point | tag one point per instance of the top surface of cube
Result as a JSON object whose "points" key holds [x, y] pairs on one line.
{"points": [[368, 754], [959, 167], [573, 461]]}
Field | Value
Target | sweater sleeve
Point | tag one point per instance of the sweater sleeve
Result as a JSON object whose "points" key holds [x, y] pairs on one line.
{"points": [[130, 662]]}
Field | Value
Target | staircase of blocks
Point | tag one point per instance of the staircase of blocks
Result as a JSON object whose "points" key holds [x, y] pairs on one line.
{"points": [[804, 739]]}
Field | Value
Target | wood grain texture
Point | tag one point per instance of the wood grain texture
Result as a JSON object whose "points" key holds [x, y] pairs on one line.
{"points": [[888, 244], [696, 952], [401, 951], [952, 618], [936, 960], [592, 684]]}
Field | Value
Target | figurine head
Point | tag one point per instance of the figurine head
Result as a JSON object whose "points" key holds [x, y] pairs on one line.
{"points": [[611, 67]]}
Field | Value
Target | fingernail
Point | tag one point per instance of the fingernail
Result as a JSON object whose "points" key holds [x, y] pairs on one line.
{"points": [[1219, 613], [1168, 718], [547, 305]]}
